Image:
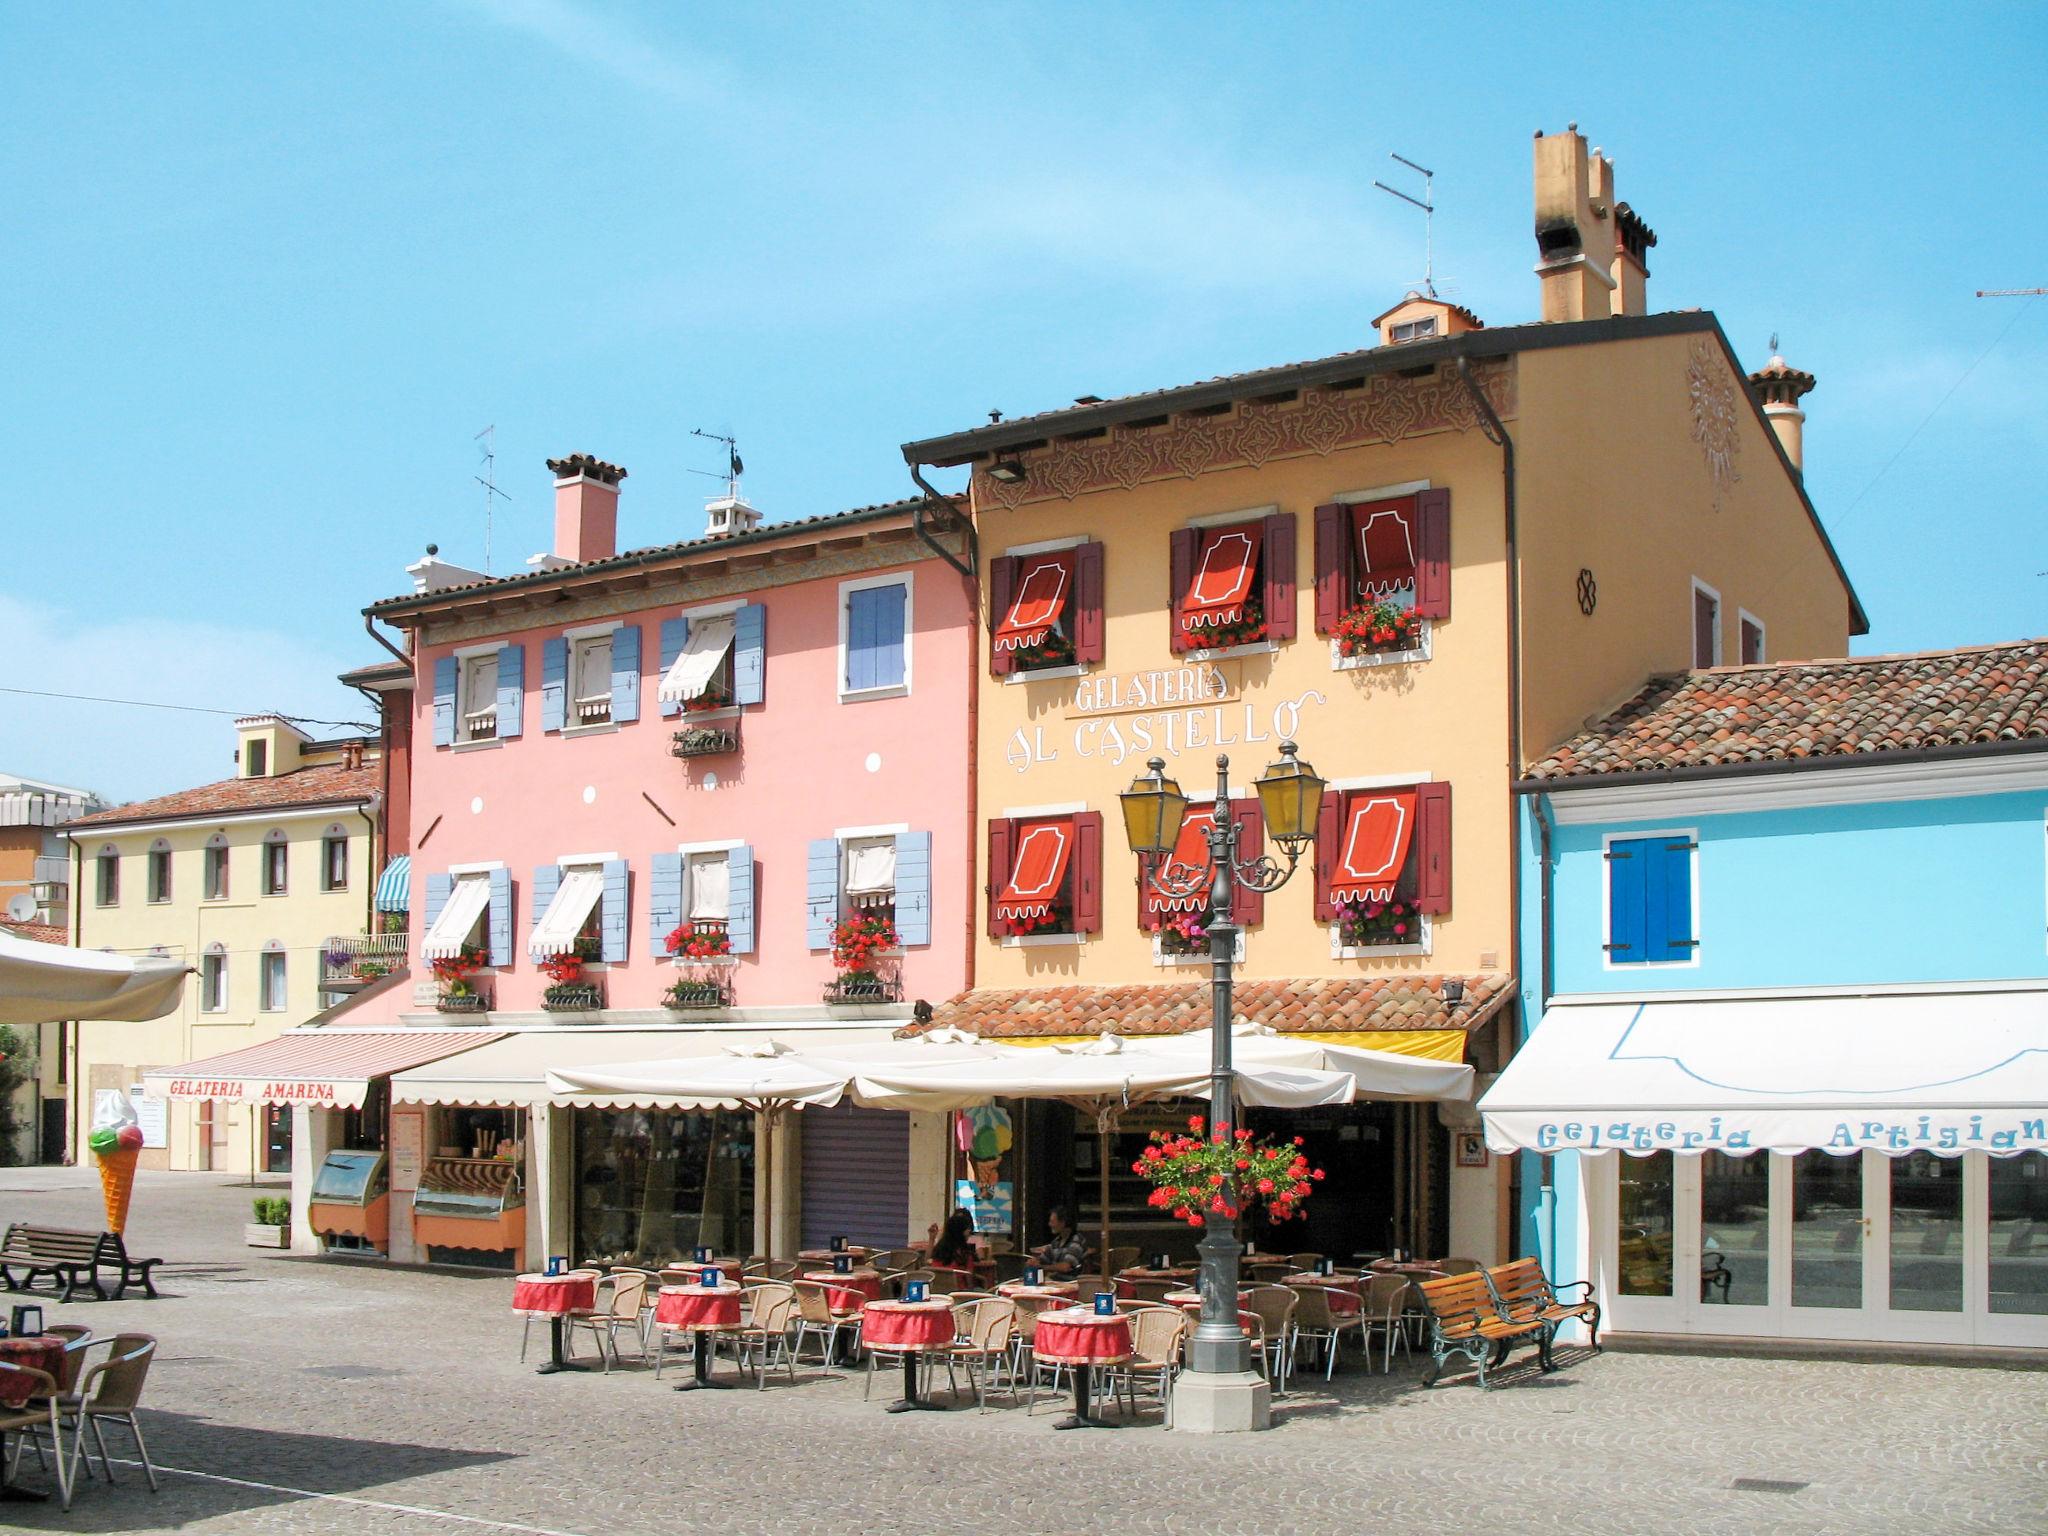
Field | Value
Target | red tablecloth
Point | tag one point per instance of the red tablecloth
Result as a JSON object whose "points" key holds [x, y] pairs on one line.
{"points": [[906, 1324], [1082, 1337], [1190, 1302], [825, 1255], [697, 1306], [848, 1292], [543, 1296], [1049, 1290], [39, 1352]]}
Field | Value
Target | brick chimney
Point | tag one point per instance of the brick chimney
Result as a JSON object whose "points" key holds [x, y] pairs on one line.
{"points": [[586, 508], [1779, 389], [1592, 253]]}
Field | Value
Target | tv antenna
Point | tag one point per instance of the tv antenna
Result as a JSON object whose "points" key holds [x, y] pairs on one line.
{"points": [[2011, 293], [733, 467], [489, 481], [1427, 203]]}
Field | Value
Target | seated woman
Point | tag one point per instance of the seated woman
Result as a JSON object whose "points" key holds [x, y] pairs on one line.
{"points": [[1068, 1251], [954, 1248]]}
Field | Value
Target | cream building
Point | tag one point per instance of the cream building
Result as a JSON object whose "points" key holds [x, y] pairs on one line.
{"points": [[253, 881]]}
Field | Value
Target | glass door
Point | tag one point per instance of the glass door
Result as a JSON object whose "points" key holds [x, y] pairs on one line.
{"points": [[2014, 1220]]}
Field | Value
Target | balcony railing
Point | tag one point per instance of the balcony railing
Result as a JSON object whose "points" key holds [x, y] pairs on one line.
{"points": [[55, 869], [706, 740], [573, 997], [349, 962], [855, 988]]}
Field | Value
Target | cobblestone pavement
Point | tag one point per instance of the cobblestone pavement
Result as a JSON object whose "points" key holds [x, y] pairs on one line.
{"points": [[296, 1395]]}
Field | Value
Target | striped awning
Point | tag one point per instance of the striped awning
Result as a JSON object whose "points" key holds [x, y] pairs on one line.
{"points": [[330, 1068], [394, 886]]}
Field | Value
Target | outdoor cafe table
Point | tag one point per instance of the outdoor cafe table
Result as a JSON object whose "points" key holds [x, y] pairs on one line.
{"points": [[848, 1293], [826, 1255], [1346, 1299], [1140, 1272], [37, 1352], [698, 1310], [554, 1297], [1083, 1339], [911, 1327], [1045, 1290]]}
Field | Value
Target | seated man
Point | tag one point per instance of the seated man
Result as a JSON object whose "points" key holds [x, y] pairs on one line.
{"points": [[1067, 1251]]}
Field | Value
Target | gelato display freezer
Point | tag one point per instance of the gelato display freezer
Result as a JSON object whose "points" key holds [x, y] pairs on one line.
{"points": [[351, 1202], [470, 1210]]}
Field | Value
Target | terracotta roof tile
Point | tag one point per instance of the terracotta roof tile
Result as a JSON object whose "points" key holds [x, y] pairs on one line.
{"points": [[321, 785], [1305, 1005], [1864, 707], [38, 933]]}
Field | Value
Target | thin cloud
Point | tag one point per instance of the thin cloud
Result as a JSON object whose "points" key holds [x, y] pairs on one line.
{"points": [[603, 42]]}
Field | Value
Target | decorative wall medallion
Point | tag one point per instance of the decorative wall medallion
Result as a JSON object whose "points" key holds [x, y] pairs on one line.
{"points": [[1589, 592], [1383, 410], [1714, 424]]}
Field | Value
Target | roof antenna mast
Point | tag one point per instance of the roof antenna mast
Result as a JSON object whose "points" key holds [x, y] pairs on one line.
{"points": [[1427, 203], [733, 467], [489, 481]]}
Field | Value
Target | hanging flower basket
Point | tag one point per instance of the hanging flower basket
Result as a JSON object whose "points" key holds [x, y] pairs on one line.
{"points": [[1361, 923], [1224, 1173], [1377, 628]]}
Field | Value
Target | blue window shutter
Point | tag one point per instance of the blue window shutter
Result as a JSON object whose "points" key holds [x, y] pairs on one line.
{"points": [[750, 654], [498, 922], [614, 919], [444, 701], [511, 689], [664, 900], [891, 622], [626, 673], [860, 639], [821, 892], [439, 889], [740, 899], [547, 879], [675, 634], [1669, 930], [914, 887], [554, 683], [1628, 918]]}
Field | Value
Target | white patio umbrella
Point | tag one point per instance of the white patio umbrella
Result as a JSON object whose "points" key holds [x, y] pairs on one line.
{"points": [[1391, 1075], [42, 983]]}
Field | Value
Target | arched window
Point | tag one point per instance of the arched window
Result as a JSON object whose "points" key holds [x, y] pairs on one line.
{"points": [[216, 882], [270, 991], [159, 889], [213, 979], [107, 876], [276, 862]]}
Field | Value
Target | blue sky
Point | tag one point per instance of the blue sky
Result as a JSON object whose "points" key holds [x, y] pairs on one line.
{"points": [[270, 268]]}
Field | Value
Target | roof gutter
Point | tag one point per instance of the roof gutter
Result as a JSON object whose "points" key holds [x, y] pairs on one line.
{"points": [[1777, 767]]}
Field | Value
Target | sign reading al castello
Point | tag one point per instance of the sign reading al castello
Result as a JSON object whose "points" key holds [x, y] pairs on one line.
{"points": [[1164, 712]]}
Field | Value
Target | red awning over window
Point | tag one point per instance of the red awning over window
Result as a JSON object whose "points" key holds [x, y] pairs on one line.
{"points": [[1379, 825], [1036, 879], [1223, 578], [1386, 546], [1044, 584], [1190, 852]]}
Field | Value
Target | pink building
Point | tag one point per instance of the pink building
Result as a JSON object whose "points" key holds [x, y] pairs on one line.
{"points": [[650, 793]]}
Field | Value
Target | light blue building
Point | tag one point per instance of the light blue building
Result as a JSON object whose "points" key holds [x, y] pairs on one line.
{"points": [[1786, 932]]}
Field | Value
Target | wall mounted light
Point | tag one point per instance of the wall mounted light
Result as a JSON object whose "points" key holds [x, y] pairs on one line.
{"points": [[1007, 471]]}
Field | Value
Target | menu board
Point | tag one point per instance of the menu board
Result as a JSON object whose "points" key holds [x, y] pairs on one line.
{"points": [[408, 1142], [151, 1115]]}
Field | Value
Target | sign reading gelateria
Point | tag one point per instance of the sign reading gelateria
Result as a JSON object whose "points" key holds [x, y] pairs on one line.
{"points": [[1161, 713]]}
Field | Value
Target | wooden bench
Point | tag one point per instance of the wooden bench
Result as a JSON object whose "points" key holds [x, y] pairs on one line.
{"points": [[71, 1259], [1465, 1319], [1524, 1293]]}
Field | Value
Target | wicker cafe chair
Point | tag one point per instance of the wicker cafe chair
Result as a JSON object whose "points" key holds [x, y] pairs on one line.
{"points": [[894, 1281], [77, 1340], [1458, 1266], [1158, 1336], [1315, 1318], [768, 1319], [1024, 1330], [1152, 1290], [986, 1327], [621, 1297], [40, 1412], [110, 1393], [1303, 1262], [815, 1317], [897, 1258], [1123, 1256], [763, 1271], [1274, 1307], [1010, 1266], [1385, 1313]]}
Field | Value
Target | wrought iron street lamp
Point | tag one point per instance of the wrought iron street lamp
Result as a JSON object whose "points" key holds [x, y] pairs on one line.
{"points": [[1290, 796]]}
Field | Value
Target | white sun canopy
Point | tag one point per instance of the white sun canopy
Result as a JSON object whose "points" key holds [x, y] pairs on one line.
{"points": [[43, 983], [735, 1080], [1110, 1078], [555, 933], [1942, 1072], [692, 671], [466, 902]]}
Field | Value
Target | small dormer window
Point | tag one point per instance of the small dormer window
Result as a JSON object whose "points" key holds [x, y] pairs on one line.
{"points": [[257, 754], [1413, 330]]}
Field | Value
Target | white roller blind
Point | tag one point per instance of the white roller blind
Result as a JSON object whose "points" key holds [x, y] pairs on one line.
{"points": [[579, 891], [693, 670], [870, 870], [465, 904], [710, 887]]}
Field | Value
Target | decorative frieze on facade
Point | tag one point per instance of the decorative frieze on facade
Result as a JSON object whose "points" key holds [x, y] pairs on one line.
{"points": [[1319, 420], [1711, 390]]}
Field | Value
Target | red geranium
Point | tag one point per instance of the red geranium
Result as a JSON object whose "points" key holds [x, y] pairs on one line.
{"points": [[1223, 1173]]}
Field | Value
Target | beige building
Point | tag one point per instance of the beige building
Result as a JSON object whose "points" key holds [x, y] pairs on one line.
{"points": [[263, 884]]}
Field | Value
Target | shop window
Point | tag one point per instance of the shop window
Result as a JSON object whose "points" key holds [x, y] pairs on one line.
{"points": [[1383, 575], [1232, 585], [874, 630], [1179, 924], [159, 887], [1650, 899], [277, 1138], [1383, 867], [271, 995], [1046, 876], [276, 863], [651, 1186], [107, 877], [213, 980], [334, 860], [215, 868], [2019, 1234], [1045, 610], [1735, 1230], [1646, 1231]]}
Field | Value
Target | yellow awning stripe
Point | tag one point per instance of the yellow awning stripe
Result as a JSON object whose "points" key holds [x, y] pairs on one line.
{"points": [[1429, 1044]]}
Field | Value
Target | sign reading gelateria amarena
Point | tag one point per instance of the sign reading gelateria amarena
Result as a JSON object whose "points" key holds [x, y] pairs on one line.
{"points": [[1161, 713]]}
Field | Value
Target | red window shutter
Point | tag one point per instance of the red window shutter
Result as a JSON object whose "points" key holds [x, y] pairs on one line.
{"points": [[1433, 553], [1333, 564], [1002, 586], [1087, 616], [1182, 549], [1087, 868], [1280, 576], [1248, 906], [1002, 840], [1433, 847], [1329, 841]]}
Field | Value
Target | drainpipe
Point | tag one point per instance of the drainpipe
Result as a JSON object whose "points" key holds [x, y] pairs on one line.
{"points": [[370, 629], [970, 568], [77, 1056], [1546, 1195]]}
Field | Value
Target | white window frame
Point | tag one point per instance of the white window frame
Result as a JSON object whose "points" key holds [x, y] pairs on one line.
{"points": [[266, 1000], [334, 834], [467, 661], [1239, 518], [1745, 619], [691, 851], [907, 580], [1692, 623], [1606, 936], [1036, 813], [263, 885], [580, 647], [217, 989]]}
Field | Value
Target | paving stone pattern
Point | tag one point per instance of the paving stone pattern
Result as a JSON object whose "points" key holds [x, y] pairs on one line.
{"points": [[402, 1393]]}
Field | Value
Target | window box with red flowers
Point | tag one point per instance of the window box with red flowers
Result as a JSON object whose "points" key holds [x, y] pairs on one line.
{"points": [[1213, 640], [571, 991], [864, 949], [1379, 630], [1379, 927], [1055, 650], [457, 975], [1055, 923], [702, 941]]}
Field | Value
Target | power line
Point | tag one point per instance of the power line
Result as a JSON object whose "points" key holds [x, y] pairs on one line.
{"points": [[190, 709]]}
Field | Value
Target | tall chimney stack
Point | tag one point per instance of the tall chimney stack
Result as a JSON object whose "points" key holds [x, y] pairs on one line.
{"points": [[586, 508], [1779, 389], [1574, 228]]}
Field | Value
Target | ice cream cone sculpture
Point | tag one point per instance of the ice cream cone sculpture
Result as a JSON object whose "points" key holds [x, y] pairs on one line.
{"points": [[116, 1141]]}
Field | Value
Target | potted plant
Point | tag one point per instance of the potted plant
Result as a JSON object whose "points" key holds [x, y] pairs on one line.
{"points": [[272, 1226], [700, 941], [716, 695], [457, 976], [1054, 649], [702, 990], [1379, 626], [1361, 923], [1248, 628], [1224, 1172], [1183, 933], [1058, 918], [858, 945], [571, 991]]}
